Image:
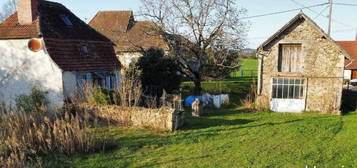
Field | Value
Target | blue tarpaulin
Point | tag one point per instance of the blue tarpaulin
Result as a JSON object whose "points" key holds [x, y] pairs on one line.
{"points": [[189, 100]]}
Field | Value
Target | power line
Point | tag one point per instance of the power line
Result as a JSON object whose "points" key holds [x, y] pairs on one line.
{"points": [[341, 23], [302, 5], [286, 11], [345, 4], [319, 14], [344, 30]]}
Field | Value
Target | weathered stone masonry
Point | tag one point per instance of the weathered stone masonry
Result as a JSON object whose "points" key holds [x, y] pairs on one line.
{"points": [[322, 67]]}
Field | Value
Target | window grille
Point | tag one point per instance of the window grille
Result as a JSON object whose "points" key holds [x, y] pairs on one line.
{"points": [[288, 88]]}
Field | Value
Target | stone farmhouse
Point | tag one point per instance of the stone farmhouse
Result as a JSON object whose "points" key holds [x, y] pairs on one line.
{"points": [[301, 69], [130, 36], [45, 44]]}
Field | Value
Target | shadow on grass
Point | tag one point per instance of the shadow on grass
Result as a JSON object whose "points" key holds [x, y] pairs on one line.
{"points": [[200, 123]]}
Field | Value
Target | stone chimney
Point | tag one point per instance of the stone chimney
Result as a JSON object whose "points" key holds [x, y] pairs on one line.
{"points": [[27, 11]]}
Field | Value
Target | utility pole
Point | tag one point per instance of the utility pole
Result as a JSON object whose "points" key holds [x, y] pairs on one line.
{"points": [[330, 19]]}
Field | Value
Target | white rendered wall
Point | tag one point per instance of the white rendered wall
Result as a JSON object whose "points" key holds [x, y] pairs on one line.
{"points": [[126, 58], [21, 69], [347, 74]]}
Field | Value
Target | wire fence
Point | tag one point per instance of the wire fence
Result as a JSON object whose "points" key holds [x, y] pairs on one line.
{"points": [[245, 74]]}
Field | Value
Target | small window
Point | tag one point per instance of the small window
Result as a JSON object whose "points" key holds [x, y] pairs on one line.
{"points": [[288, 88], [84, 48], [289, 58], [66, 20]]}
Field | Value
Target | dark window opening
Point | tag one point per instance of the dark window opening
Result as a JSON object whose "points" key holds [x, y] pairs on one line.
{"points": [[85, 50], [66, 20]]}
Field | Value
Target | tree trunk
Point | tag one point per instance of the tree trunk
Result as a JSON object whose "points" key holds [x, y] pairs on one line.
{"points": [[198, 87]]}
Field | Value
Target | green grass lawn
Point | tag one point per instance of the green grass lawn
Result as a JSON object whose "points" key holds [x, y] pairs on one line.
{"points": [[247, 65], [229, 137], [232, 138]]}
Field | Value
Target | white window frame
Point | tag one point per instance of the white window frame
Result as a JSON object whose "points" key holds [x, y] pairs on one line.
{"points": [[286, 83]]}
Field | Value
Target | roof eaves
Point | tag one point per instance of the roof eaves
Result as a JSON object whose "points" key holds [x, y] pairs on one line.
{"points": [[301, 15], [280, 31]]}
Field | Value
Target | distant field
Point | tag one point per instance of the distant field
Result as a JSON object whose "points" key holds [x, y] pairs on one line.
{"points": [[249, 68]]}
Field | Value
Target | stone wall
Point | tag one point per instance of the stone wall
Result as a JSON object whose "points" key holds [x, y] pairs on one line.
{"points": [[322, 64], [166, 119]]}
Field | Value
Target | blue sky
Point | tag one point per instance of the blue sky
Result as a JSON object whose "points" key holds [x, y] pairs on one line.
{"points": [[343, 28]]}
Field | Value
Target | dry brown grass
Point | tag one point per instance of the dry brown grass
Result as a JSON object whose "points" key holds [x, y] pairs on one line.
{"points": [[129, 92], [24, 136], [249, 102]]}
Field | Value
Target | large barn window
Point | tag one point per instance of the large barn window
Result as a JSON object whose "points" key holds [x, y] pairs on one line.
{"points": [[289, 58], [288, 88]]}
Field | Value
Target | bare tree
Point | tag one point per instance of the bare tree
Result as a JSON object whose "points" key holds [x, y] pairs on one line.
{"points": [[200, 33], [7, 9]]}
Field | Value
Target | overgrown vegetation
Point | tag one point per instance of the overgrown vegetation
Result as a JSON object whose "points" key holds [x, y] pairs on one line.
{"points": [[25, 136], [32, 102]]}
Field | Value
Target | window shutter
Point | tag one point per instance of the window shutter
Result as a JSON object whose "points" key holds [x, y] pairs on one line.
{"points": [[290, 58], [107, 82], [88, 77], [117, 79], [80, 81]]}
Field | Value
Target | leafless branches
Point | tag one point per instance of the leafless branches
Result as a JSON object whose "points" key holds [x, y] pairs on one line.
{"points": [[200, 31]]}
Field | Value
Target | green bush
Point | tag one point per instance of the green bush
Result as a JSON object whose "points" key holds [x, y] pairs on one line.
{"points": [[34, 101], [100, 96], [158, 72]]}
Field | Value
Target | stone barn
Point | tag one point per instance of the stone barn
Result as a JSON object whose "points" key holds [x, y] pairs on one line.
{"points": [[301, 69], [45, 44]]}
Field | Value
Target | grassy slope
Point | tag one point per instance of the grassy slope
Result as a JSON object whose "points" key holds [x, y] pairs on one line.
{"points": [[247, 64], [232, 138]]}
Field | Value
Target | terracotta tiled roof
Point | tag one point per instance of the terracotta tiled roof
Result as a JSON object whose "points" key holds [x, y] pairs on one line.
{"points": [[64, 42], [10, 29], [142, 34], [127, 34], [351, 48], [112, 21], [68, 54]]}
